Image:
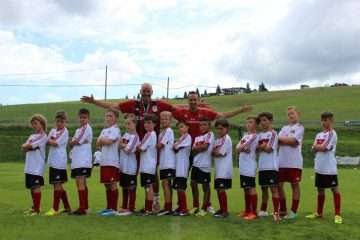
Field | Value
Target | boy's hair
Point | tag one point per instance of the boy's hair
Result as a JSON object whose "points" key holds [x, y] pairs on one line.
{"points": [[193, 92], [115, 112], [166, 113], [222, 122], [131, 117], [60, 115], [292, 108], [327, 115], [150, 117], [267, 115], [252, 118], [182, 122], [84, 111], [41, 119]]}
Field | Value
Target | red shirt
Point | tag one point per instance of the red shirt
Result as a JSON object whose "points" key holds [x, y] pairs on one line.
{"points": [[193, 118], [138, 108]]}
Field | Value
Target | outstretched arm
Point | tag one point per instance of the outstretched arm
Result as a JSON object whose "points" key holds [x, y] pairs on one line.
{"points": [[102, 104], [235, 112]]}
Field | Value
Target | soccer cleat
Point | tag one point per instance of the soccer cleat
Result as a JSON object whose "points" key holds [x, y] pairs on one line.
{"points": [[263, 214], [291, 215], [210, 209], [313, 216], [183, 213], [32, 213], [283, 213], [220, 214], [52, 212], [109, 213], [194, 211], [338, 219], [144, 213], [201, 213], [79, 212], [105, 210], [250, 216], [276, 217], [68, 211], [163, 212], [124, 213], [242, 214]]}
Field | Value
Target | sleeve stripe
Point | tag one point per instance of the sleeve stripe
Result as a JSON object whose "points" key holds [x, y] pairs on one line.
{"points": [[133, 144], [252, 139], [271, 143], [81, 134], [147, 135], [37, 139], [329, 138]]}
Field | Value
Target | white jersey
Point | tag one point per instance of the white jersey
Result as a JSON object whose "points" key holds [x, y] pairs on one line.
{"points": [[183, 147], [223, 164], [110, 153], [57, 154], [128, 162], [269, 161], [167, 154], [148, 155], [291, 157], [81, 155], [35, 159], [325, 162], [247, 161], [202, 160]]}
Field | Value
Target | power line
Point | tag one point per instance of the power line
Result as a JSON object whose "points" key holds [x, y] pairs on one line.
{"points": [[47, 73]]}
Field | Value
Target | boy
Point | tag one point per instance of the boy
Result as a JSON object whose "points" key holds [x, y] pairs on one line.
{"points": [[182, 148], [81, 159], [200, 172], [128, 165], [34, 147], [324, 148], [109, 163], [167, 160], [268, 164], [290, 161], [57, 140], [246, 149], [222, 153], [148, 161]]}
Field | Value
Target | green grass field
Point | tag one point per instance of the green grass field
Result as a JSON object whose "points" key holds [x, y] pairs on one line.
{"points": [[15, 199]]}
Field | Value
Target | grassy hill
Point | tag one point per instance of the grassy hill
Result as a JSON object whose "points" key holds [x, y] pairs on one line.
{"points": [[343, 101]]}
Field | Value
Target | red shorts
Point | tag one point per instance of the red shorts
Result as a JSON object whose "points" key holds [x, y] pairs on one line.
{"points": [[291, 175], [109, 174]]}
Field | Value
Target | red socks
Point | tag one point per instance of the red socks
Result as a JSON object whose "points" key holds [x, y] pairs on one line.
{"points": [[132, 199], [182, 201], [36, 197], [276, 204], [205, 205], [86, 198], [168, 206], [65, 200], [125, 199], [247, 203], [295, 205], [253, 201], [108, 199], [148, 205], [82, 199], [56, 199], [320, 203], [223, 201], [337, 203], [114, 199]]}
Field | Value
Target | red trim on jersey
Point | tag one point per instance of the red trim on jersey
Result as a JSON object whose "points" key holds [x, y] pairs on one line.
{"points": [[147, 135], [133, 144], [162, 134], [181, 139], [272, 139], [31, 141], [329, 138], [252, 139], [82, 133], [58, 135]]}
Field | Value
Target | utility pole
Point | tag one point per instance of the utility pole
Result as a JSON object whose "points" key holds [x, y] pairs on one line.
{"points": [[106, 70], [167, 88]]}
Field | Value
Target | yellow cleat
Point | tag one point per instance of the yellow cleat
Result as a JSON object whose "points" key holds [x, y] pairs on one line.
{"points": [[52, 213], [313, 216], [338, 219], [201, 213], [194, 211]]}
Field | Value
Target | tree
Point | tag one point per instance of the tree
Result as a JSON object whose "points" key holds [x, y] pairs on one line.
{"points": [[185, 94], [126, 97], [218, 90], [197, 92], [248, 89], [262, 88], [138, 96], [205, 93]]}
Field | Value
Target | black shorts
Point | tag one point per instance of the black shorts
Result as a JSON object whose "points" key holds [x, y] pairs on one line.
{"points": [[200, 176], [127, 180], [57, 175], [33, 181], [146, 179], [247, 182], [268, 178], [81, 172], [180, 183], [167, 174], [325, 181], [223, 183]]}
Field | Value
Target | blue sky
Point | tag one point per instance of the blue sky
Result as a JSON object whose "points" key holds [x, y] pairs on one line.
{"points": [[283, 43]]}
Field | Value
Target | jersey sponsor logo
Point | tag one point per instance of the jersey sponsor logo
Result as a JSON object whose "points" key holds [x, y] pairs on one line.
{"points": [[154, 108]]}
